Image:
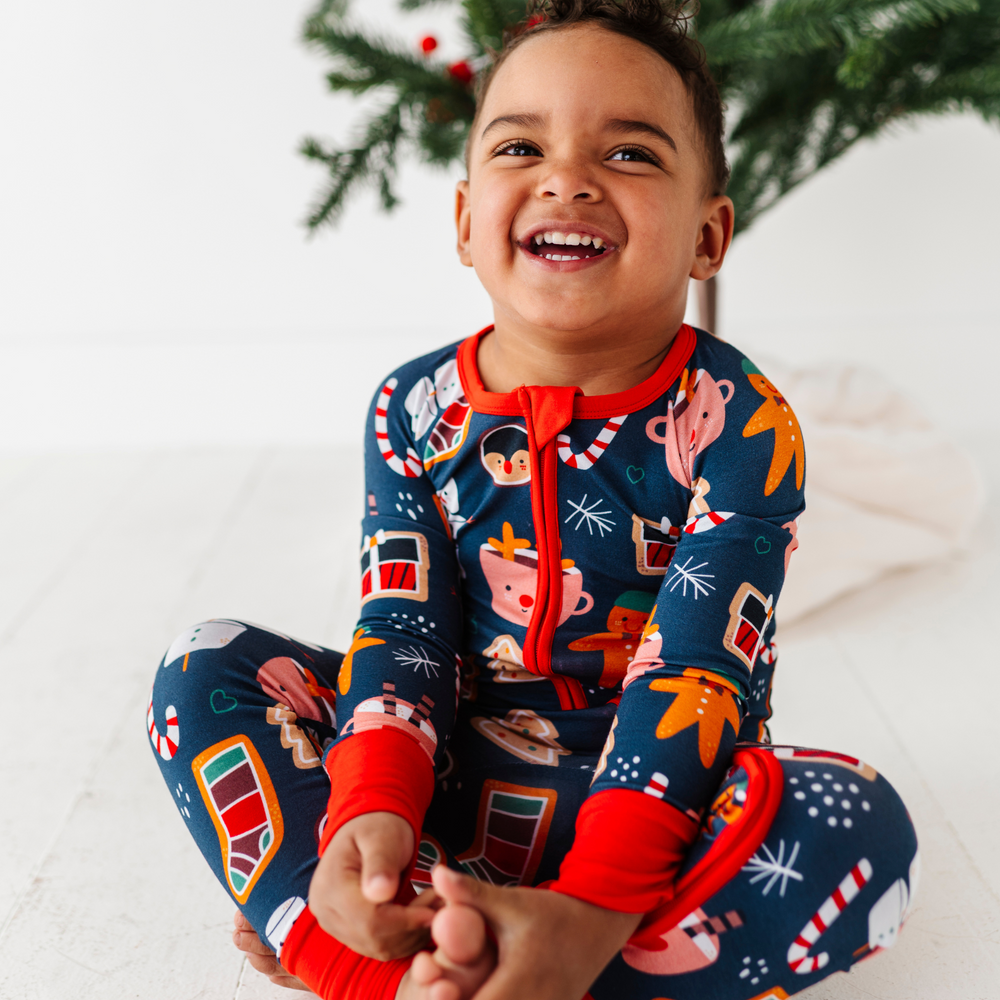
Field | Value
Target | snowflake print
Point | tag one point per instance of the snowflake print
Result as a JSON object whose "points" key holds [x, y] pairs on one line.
{"points": [[416, 658], [775, 867], [590, 516], [689, 574]]}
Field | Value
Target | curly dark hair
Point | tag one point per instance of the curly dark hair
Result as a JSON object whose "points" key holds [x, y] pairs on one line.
{"points": [[660, 24]]}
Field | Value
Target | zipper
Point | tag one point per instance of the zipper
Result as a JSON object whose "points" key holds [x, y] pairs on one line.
{"points": [[547, 411]]}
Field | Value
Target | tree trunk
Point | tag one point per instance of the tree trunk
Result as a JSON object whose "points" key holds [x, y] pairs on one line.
{"points": [[708, 293]]}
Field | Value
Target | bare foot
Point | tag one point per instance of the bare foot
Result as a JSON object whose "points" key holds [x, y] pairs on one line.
{"points": [[261, 957], [463, 960]]}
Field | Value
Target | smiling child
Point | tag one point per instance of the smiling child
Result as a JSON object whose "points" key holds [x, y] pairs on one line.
{"points": [[578, 524]]}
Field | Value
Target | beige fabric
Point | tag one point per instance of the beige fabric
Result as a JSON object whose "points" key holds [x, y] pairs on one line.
{"points": [[885, 489]]}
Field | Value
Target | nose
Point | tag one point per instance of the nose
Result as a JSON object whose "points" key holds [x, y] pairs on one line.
{"points": [[526, 600], [568, 183], [508, 468]]}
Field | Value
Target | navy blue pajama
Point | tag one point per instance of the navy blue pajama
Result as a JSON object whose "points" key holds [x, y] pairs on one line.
{"points": [[562, 596]]}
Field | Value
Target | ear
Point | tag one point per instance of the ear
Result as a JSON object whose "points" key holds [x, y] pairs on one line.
{"points": [[463, 222], [714, 237]]}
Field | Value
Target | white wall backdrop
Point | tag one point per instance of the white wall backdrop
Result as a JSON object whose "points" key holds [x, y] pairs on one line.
{"points": [[157, 287]]}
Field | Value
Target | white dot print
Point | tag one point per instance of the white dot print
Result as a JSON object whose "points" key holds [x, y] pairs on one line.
{"points": [[820, 801]]}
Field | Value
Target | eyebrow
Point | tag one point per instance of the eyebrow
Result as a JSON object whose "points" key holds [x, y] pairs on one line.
{"points": [[624, 125], [527, 120], [620, 125]]}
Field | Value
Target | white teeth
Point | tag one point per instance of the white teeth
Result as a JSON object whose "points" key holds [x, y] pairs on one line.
{"points": [[556, 238]]}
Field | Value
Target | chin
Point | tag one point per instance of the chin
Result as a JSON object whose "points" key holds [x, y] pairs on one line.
{"points": [[568, 316]]}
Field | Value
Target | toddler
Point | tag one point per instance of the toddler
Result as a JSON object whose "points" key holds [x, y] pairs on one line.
{"points": [[546, 745]]}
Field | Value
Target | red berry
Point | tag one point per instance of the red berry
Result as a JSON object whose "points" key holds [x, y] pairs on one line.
{"points": [[428, 44], [533, 20], [462, 72]]}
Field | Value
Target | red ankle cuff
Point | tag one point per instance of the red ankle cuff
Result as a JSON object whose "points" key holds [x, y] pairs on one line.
{"points": [[334, 972]]}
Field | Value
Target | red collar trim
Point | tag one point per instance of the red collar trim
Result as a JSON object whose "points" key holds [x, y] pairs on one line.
{"points": [[506, 404]]}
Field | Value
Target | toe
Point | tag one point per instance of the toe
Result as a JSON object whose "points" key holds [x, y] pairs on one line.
{"points": [[460, 934], [424, 969]]}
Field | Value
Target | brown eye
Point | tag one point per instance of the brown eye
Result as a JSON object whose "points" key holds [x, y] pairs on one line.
{"points": [[519, 149], [632, 155]]}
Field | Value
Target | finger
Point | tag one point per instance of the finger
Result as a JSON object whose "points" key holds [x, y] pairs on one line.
{"points": [[454, 887], [380, 867], [429, 898]]}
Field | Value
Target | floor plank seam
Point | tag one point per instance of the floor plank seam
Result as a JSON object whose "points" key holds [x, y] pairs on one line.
{"points": [[134, 702], [240, 978], [35, 875]]}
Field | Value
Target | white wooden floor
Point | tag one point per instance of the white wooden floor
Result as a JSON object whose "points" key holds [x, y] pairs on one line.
{"points": [[103, 558]]}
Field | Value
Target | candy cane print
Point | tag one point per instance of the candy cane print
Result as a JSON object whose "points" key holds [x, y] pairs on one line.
{"points": [[411, 466], [165, 746], [798, 952], [586, 459]]}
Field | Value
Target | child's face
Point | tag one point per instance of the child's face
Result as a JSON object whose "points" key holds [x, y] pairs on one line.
{"points": [[587, 132]]}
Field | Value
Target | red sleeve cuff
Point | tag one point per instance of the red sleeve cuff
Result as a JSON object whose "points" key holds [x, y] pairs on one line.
{"points": [[627, 852], [377, 771]]}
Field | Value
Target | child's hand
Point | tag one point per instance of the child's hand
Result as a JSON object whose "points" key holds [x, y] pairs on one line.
{"points": [[355, 882], [550, 946], [261, 957]]}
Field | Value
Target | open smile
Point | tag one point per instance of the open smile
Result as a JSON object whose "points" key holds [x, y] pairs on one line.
{"points": [[566, 246], [554, 245]]}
